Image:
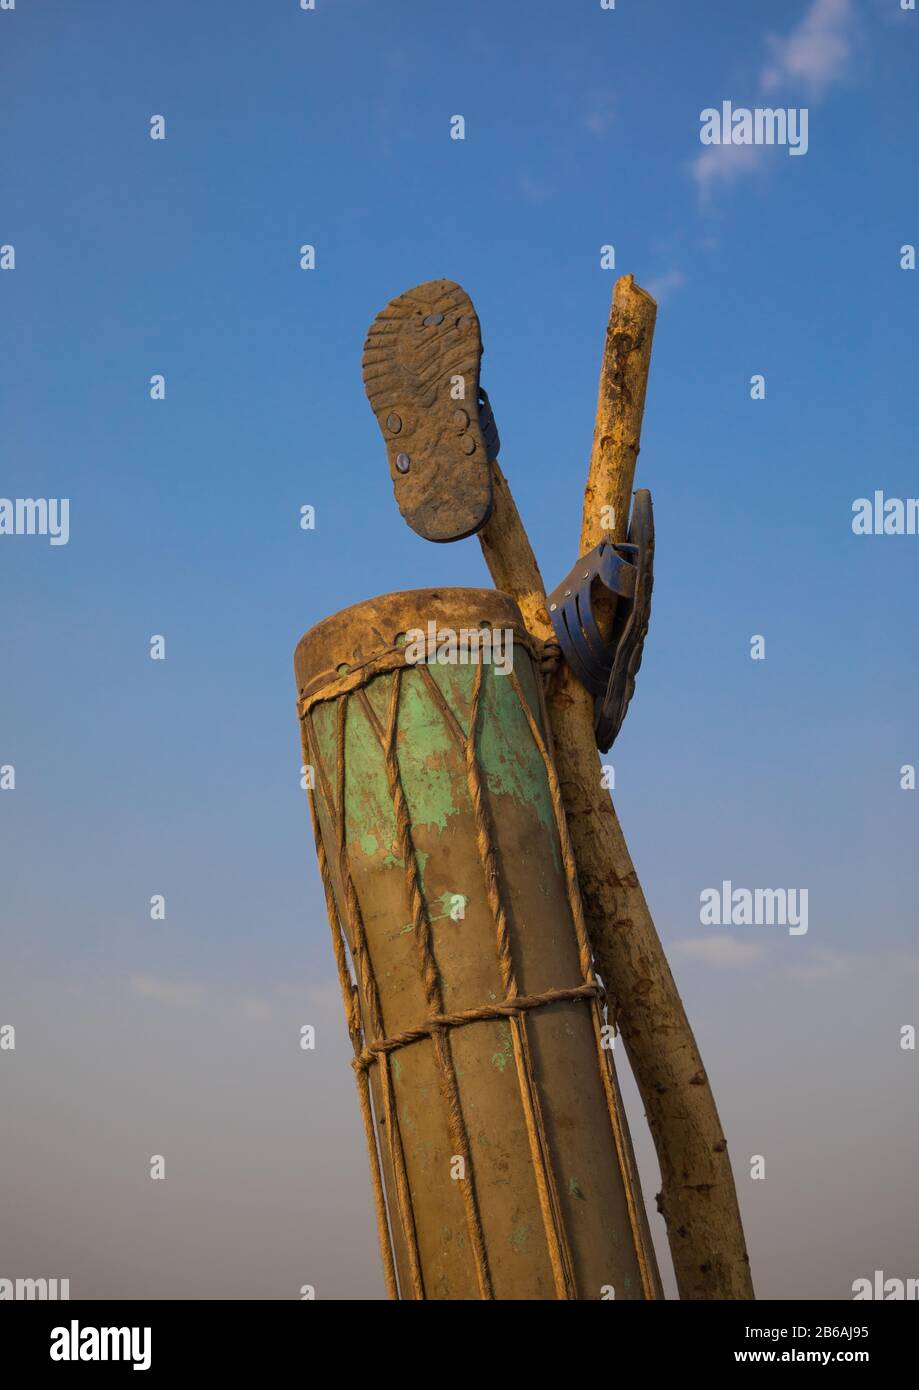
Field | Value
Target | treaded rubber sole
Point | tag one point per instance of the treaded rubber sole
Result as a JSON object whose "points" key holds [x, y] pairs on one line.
{"points": [[421, 375]]}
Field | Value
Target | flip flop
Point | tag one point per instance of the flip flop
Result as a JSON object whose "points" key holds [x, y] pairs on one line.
{"points": [[421, 375], [607, 667]]}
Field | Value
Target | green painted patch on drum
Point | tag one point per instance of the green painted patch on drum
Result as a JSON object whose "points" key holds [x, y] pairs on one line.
{"points": [[428, 758], [511, 761], [506, 752], [520, 1237], [505, 1051], [431, 762], [447, 901], [451, 903], [368, 805], [369, 813]]}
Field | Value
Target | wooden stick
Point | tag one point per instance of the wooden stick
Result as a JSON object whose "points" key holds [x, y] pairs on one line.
{"points": [[698, 1198]]}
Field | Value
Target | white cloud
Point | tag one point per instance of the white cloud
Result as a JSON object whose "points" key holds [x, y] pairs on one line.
{"points": [[600, 113], [820, 966], [663, 286], [816, 53], [322, 999], [812, 57], [255, 1010], [534, 190], [723, 163], [166, 991], [723, 951]]}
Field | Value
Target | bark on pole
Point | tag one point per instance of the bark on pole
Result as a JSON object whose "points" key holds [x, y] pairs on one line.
{"points": [[698, 1199]]}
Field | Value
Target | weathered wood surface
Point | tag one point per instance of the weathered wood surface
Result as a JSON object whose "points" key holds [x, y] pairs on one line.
{"points": [[698, 1197]]}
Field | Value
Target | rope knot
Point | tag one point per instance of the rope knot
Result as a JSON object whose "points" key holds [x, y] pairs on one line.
{"points": [[550, 654]]}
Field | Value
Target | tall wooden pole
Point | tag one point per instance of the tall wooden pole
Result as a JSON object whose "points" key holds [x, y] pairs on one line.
{"points": [[698, 1198]]}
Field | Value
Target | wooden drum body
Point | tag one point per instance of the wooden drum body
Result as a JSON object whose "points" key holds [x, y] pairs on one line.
{"points": [[501, 1161]]}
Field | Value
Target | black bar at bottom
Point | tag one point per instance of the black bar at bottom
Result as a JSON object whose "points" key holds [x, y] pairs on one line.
{"points": [[233, 1338]]}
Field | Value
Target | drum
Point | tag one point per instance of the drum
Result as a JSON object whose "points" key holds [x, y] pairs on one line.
{"points": [[501, 1162]]}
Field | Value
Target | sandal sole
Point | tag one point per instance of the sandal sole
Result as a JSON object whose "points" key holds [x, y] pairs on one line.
{"points": [[421, 375]]}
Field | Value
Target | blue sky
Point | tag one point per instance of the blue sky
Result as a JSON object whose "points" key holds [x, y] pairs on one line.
{"points": [[180, 257]]}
